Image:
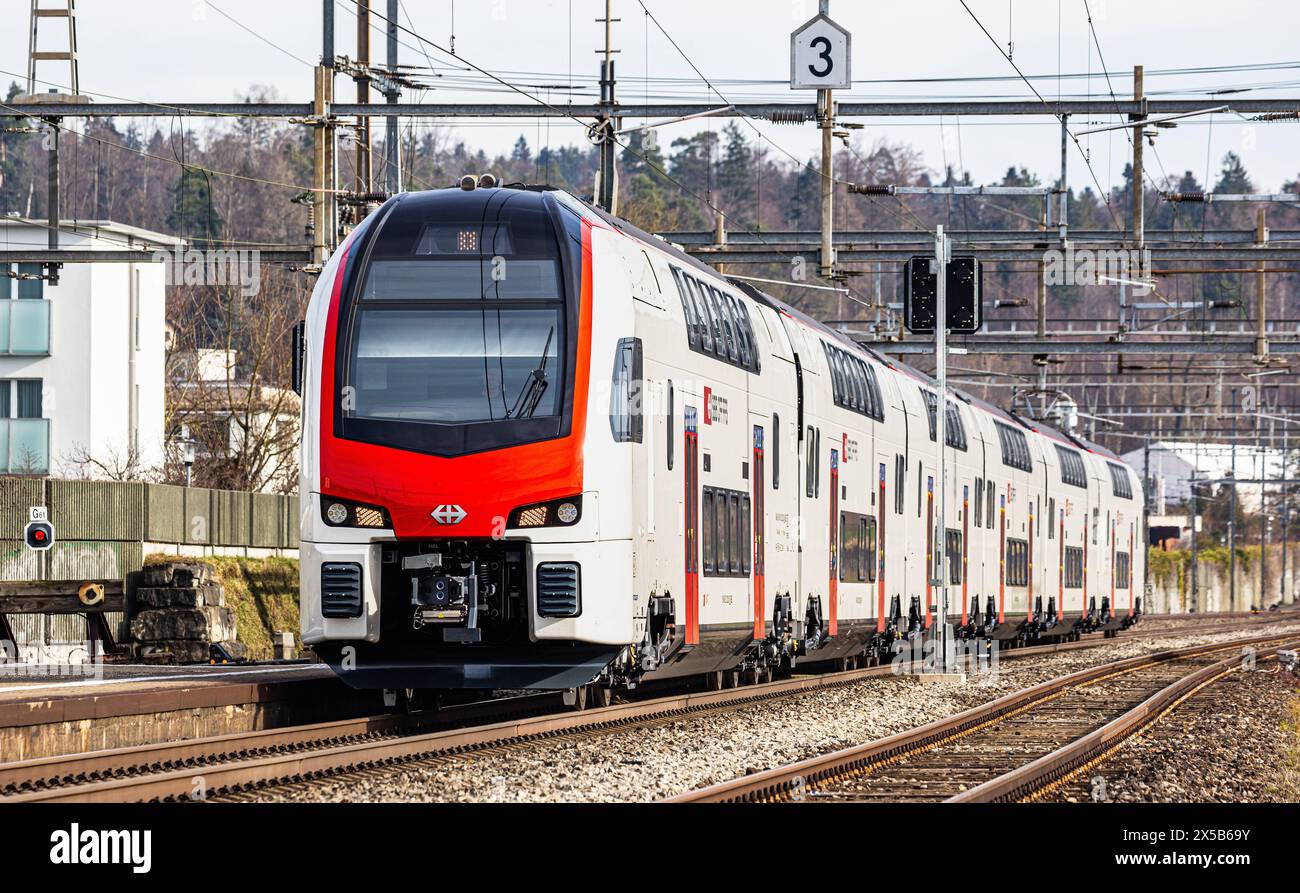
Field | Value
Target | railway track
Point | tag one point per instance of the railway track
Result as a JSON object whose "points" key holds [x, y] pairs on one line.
{"points": [[230, 764], [1018, 747]]}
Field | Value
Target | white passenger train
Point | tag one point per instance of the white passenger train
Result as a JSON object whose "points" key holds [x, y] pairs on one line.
{"points": [[542, 448]]}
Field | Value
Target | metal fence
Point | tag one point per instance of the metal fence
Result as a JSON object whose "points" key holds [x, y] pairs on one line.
{"points": [[105, 528]]}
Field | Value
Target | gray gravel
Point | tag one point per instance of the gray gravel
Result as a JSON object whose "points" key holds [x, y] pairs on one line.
{"points": [[681, 754], [1233, 742]]}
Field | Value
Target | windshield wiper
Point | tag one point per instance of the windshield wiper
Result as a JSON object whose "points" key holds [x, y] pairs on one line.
{"points": [[530, 396]]}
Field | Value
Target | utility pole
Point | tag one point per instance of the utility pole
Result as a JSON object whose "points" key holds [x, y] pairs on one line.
{"points": [[362, 75], [1139, 215], [943, 638], [392, 129], [826, 106], [607, 173], [324, 202], [1232, 519]]}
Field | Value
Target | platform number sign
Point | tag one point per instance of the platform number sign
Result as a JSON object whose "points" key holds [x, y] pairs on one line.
{"points": [[820, 55]]}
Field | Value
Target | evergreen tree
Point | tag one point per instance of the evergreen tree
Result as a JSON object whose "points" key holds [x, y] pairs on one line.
{"points": [[192, 214], [1233, 178]]}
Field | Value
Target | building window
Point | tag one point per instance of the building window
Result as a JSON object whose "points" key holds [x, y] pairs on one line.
{"points": [[31, 289]]}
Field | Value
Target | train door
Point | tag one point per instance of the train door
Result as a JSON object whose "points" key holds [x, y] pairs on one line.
{"points": [[758, 485], [691, 502]]}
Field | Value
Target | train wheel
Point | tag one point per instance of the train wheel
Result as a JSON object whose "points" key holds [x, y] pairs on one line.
{"points": [[731, 679], [576, 698], [715, 681], [601, 695]]}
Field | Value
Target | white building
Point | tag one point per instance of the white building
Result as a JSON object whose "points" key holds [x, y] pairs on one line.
{"points": [[1173, 464], [82, 363]]}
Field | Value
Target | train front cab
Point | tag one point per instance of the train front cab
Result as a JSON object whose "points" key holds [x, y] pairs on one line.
{"points": [[462, 525]]}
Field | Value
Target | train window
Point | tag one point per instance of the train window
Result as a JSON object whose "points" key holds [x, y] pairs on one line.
{"points": [[723, 312], [919, 473], [989, 519], [708, 530], [954, 429], [669, 421], [755, 364], [626, 421], [853, 383], [776, 451], [737, 323], [727, 538], [810, 451], [738, 540], [978, 502], [1051, 518], [900, 482], [688, 311], [1073, 471], [1120, 485], [702, 314], [1096, 516], [857, 547], [1073, 567], [1122, 570], [744, 536], [952, 546], [1015, 448], [1017, 562], [817, 463]]}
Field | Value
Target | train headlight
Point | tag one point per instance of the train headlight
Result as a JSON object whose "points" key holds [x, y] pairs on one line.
{"points": [[556, 513], [344, 513]]}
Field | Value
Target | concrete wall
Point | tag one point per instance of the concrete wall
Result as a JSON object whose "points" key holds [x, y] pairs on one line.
{"points": [[1171, 591]]}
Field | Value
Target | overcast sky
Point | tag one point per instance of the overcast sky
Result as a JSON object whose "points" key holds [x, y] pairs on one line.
{"points": [[186, 50]]}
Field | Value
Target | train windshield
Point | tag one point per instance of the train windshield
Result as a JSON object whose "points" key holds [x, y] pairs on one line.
{"points": [[457, 365], [459, 326]]}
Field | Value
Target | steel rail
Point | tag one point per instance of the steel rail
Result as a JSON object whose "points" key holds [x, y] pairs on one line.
{"points": [[786, 782], [241, 760], [1048, 772]]}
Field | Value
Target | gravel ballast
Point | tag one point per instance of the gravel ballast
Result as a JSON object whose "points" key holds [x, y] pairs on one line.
{"points": [[673, 756]]}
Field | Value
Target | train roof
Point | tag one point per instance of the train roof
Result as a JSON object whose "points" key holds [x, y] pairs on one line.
{"points": [[635, 232]]}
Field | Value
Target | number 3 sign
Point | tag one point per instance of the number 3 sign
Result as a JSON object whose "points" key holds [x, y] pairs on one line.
{"points": [[820, 56]]}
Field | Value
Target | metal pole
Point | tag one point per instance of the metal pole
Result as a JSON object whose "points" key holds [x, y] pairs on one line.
{"points": [[363, 178], [607, 195], [52, 197], [392, 124], [327, 33], [1284, 589], [1139, 220], [943, 637], [1062, 218], [826, 100], [1261, 304], [1196, 463], [1232, 520]]}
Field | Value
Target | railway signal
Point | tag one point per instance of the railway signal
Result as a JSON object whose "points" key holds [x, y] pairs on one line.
{"points": [[39, 532], [964, 295]]}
